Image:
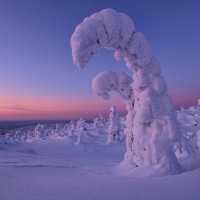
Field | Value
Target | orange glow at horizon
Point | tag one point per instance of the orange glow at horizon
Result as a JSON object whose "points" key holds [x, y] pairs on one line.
{"points": [[50, 107]]}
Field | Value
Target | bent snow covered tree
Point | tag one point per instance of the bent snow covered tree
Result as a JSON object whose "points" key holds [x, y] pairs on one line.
{"points": [[154, 130]]}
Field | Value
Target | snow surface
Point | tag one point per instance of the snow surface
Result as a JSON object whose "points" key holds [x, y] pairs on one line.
{"points": [[61, 168]]}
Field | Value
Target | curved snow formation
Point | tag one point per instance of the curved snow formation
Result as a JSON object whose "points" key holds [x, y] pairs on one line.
{"points": [[153, 129]]}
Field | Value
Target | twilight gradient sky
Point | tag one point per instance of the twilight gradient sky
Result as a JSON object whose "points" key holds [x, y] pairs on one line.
{"points": [[38, 79]]}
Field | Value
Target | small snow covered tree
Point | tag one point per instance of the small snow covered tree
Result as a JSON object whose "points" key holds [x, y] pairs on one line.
{"points": [[81, 125], [65, 129], [58, 130], [182, 108], [102, 120], [99, 121], [114, 125], [72, 127], [8, 135], [17, 135], [152, 120], [38, 131], [96, 122], [198, 102]]}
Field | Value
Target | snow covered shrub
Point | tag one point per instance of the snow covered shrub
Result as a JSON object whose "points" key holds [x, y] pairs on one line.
{"points": [[81, 125], [102, 120], [8, 136], [198, 102], [65, 129], [114, 125], [72, 127], [182, 108], [97, 122], [16, 135], [192, 108], [29, 136], [151, 122], [189, 123], [39, 131], [58, 130]]}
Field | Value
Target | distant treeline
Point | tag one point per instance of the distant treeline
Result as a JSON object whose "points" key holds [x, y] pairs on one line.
{"points": [[10, 125]]}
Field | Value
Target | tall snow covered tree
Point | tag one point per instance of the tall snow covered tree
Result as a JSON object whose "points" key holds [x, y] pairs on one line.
{"points": [[153, 129], [114, 125]]}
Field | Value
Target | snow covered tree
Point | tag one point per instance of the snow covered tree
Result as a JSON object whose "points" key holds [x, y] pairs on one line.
{"points": [[102, 120], [99, 121], [152, 117], [8, 135], [65, 129], [114, 125], [182, 108], [58, 131], [38, 131], [72, 127], [81, 125], [96, 122]]}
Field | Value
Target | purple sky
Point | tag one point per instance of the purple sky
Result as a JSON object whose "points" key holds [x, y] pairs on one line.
{"points": [[38, 79]]}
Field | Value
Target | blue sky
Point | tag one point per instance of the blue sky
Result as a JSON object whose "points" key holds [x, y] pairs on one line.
{"points": [[39, 80]]}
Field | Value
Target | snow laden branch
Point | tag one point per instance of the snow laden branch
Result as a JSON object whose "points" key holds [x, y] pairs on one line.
{"points": [[108, 81], [153, 130], [106, 28]]}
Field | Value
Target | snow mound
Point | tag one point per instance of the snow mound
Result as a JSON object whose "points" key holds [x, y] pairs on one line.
{"points": [[27, 150]]}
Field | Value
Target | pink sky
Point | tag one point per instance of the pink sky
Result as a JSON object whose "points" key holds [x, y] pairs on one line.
{"points": [[49, 107]]}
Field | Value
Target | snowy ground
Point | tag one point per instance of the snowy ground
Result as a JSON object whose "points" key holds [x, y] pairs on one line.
{"points": [[59, 169]]}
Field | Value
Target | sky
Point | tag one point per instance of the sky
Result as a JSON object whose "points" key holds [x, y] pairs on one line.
{"points": [[38, 79]]}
